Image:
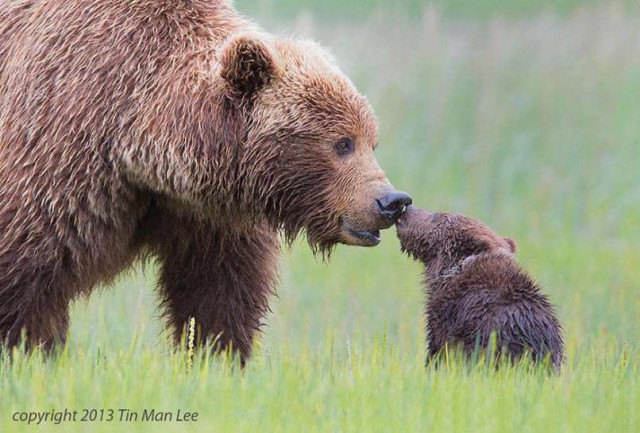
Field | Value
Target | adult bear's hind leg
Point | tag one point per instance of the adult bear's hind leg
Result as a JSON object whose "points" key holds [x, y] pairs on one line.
{"points": [[221, 279]]}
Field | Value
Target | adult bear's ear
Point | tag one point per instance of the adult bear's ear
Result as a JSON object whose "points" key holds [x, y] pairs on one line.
{"points": [[247, 65]]}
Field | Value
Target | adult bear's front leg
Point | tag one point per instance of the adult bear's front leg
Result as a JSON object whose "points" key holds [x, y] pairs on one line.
{"points": [[222, 278]]}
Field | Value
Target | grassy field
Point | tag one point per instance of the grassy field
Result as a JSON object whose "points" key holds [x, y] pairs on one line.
{"points": [[527, 117]]}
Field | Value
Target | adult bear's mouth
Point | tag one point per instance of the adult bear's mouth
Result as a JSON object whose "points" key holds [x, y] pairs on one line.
{"points": [[364, 238]]}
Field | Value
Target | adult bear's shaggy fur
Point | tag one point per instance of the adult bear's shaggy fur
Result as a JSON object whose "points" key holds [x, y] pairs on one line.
{"points": [[177, 129], [475, 288]]}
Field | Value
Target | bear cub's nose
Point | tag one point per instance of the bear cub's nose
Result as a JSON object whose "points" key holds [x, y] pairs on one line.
{"points": [[393, 204]]}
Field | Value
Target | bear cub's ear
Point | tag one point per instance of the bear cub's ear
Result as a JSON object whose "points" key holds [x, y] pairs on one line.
{"points": [[247, 64], [512, 245]]}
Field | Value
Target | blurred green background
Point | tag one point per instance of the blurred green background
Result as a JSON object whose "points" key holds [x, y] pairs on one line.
{"points": [[339, 10], [523, 113]]}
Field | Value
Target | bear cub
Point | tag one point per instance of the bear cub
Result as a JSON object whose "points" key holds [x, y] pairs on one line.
{"points": [[475, 288]]}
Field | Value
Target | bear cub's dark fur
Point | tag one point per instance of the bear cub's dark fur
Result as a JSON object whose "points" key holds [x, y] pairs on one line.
{"points": [[476, 288]]}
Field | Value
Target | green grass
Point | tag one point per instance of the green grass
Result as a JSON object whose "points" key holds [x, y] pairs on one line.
{"points": [[374, 387], [529, 122]]}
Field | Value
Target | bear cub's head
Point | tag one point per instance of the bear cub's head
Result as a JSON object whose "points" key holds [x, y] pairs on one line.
{"points": [[309, 138], [442, 241]]}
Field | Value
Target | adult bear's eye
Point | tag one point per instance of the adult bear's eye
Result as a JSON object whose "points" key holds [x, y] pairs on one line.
{"points": [[344, 146]]}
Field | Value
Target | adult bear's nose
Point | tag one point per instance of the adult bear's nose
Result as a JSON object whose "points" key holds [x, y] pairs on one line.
{"points": [[393, 204]]}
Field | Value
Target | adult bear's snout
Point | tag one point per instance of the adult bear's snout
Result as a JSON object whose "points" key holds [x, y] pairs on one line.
{"points": [[393, 204]]}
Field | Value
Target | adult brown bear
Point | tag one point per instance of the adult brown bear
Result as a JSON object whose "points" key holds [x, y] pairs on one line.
{"points": [[177, 129]]}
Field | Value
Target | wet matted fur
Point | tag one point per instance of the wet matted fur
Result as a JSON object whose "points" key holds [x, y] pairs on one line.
{"points": [[475, 288]]}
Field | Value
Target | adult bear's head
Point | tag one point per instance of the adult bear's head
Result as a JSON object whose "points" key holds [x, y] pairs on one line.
{"points": [[308, 155]]}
